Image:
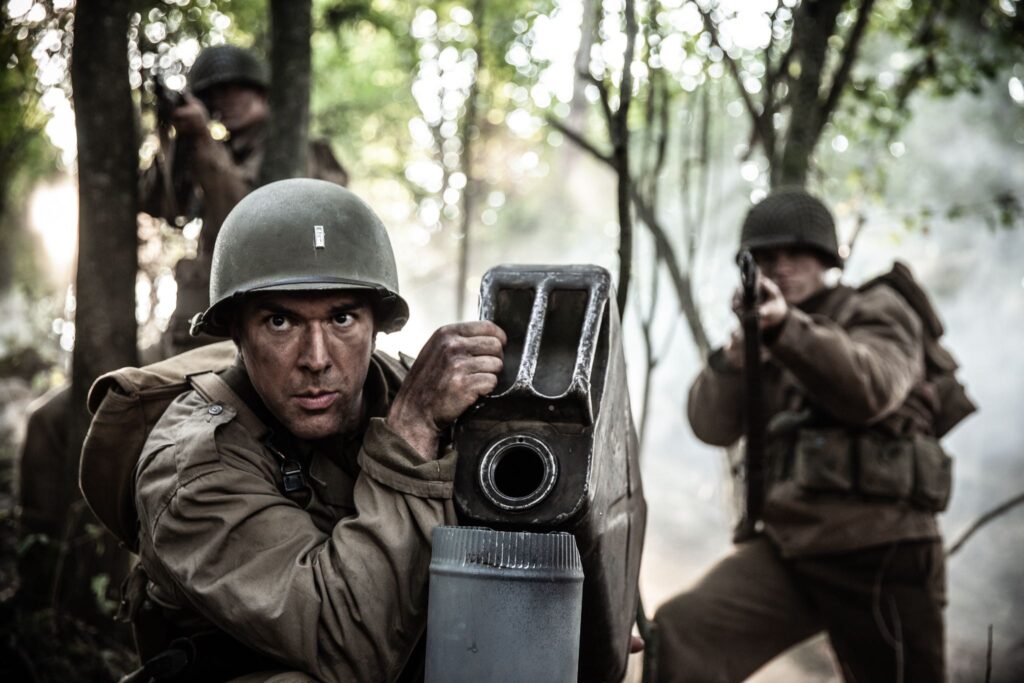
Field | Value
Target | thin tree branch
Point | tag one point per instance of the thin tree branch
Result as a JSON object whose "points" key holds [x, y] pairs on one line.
{"points": [[762, 125], [602, 91], [842, 74], [984, 519], [663, 245], [705, 159], [926, 65], [858, 228], [680, 280], [619, 131], [581, 141]]}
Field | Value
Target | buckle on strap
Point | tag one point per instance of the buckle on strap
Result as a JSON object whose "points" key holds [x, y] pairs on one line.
{"points": [[293, 484]]}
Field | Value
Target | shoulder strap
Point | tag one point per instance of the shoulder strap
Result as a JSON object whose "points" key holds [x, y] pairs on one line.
{"points": [[902, 280], [835, 301], [210, 386]]}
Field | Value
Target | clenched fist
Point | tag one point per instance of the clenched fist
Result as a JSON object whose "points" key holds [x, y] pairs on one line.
{"points": [[771, 304], [459, 364], [191, 120]]}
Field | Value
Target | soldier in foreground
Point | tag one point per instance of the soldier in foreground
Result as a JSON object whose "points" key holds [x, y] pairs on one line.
{"points": [[195, 175], [856, 391], [285, 505]]}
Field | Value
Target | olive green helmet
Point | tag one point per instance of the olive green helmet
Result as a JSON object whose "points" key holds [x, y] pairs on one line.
{"points": [[223, 64], [791, 217], [301, 235]]}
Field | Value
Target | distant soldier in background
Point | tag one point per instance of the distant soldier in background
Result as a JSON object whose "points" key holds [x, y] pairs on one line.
{"points": [[202, 170], [856, 391], [205, 170]]}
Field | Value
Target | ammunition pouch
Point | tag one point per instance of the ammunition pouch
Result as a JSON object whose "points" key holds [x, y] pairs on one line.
{"points": [[859, 464], [173, 654]]}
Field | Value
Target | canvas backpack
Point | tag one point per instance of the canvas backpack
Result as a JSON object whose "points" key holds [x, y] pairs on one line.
{"points": [[940, 366], [126, 405]]}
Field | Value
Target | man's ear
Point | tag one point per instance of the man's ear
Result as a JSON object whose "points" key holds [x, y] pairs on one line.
{"points": [[235, 328]]}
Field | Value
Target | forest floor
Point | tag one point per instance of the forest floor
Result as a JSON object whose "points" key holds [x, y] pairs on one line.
{"points": [[37, 642]]}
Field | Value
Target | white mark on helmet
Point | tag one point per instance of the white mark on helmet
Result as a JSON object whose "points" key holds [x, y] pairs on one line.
{"points": [[318, 237]]}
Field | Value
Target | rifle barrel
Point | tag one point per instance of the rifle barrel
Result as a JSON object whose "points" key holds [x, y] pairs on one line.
{"points": [[752, 405]]}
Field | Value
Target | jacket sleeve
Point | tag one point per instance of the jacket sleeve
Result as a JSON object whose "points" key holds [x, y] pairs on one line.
{"points": [[714, 406], [224, 183], [152, 195], [349, 606], [860, 371]]}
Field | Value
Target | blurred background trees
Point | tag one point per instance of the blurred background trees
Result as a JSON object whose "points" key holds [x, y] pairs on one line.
{"points": [[629, 133]]}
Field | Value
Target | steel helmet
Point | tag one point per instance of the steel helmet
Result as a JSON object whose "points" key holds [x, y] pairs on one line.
{"points": [[301, 235], [791, 217], [222, 64]]}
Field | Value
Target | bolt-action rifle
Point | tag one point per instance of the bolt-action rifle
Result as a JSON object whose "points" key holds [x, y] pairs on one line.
{"points": [[753, 411], [166, 99], [172, 159]]}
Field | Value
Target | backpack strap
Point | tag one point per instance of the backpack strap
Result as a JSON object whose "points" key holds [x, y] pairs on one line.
{"points": [[901, 279], [214, 389]]}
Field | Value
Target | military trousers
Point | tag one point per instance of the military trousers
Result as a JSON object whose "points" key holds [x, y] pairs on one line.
{"points": [[881, 608]]}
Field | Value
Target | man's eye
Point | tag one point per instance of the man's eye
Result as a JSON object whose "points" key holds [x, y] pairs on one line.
{"points": [[277, 322], [343, 318]]}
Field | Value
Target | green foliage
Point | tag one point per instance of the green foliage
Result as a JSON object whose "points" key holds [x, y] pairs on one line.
{"points": [[25, 157], [361, 100]]}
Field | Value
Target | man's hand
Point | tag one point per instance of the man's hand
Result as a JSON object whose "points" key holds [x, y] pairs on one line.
{"points": [[733, 349], [191, 120], [459, 364], [772, 308]]}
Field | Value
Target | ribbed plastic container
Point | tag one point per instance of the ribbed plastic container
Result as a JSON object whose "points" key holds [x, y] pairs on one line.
{"points": [[504, 607]]}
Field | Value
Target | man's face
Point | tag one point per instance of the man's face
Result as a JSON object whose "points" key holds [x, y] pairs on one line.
{"points": [[236, 106], [799, 272], [307, 355]]}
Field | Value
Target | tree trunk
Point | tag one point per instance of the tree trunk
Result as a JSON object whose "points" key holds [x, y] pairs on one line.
{"points": [[291, 25], [813, 23], [579, 106], [469, 132], [105, 327], [619, 133]]}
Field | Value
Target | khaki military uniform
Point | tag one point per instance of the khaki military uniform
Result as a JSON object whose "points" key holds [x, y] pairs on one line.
{"points": [[850, 543], [219, 179], [329, 580]]}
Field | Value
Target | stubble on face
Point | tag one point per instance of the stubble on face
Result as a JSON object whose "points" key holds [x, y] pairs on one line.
{"points": [[307, 355]]}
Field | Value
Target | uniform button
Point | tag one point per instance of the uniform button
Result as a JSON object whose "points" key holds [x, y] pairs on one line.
{"points": [[215, 409]]}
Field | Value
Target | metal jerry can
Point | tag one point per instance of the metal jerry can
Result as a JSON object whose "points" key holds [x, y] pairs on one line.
{"points": [[554, 449]]}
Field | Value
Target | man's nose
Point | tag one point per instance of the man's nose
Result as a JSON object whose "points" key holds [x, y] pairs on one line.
{"points": [[315, 356], [783, 263]]}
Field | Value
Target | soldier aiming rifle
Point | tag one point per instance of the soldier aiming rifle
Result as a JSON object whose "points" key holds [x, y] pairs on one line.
{"points": [[839, 532]]}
